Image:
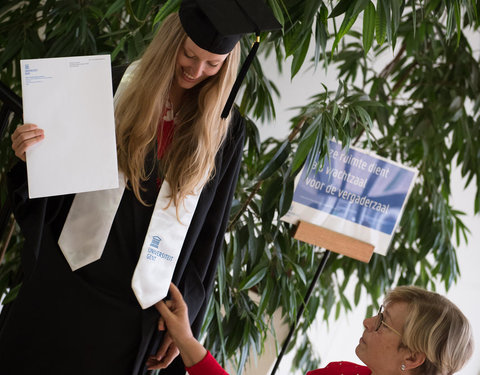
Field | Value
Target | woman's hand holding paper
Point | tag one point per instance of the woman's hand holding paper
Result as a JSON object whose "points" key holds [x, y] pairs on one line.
{"points": [[25, 136]]}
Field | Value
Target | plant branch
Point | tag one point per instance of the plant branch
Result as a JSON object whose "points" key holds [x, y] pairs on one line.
{"points": [[255, 190], [297, 128], [259, 183], [392, 64], [7, 241]]}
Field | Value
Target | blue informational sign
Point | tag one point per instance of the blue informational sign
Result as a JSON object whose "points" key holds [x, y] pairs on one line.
{"points": [[356, 186]]}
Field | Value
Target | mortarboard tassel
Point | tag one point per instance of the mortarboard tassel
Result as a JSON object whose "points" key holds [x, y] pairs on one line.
{"points": [[240, 77]]}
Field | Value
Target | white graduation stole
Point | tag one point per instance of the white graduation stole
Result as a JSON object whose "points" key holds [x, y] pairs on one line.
{"points": [[90, 219], [88, 225], [162, 246]]}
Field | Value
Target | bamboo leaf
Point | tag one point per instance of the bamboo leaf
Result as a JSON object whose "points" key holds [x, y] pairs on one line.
{"points": [[219, 321], [347, 23], [357, 293], [11, 295], [169, 7], [114, 8], [321, 35], [257, 275], [221, 278], [267, 292], [457, 19], [286, 197], [272, 193], [414, 17], [359, 6], [276, 162], [253, 135], [396, 6], [277, 11], [304, 147], [337, 310], [368, 26], [299, 271], [386, 7], [299, 56], [366, 119], [138, 42], [340, 8], [450, 21], [380, 23]]}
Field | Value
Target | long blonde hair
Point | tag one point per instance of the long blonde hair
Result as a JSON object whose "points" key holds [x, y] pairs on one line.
{"points": [[436, 327], [189, 161]]}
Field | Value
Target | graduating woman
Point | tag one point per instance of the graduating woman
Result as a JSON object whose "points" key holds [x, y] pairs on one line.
{"points": [[95, 263]]}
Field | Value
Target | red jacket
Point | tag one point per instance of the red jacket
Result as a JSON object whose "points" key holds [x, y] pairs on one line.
{"points": [[209, 366], [339, 368]]}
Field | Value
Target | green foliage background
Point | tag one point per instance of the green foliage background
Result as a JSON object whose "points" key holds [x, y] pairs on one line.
{"points": [[421, 109]]}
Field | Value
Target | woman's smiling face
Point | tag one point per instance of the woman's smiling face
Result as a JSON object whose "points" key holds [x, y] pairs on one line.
{"points": [[194, 65]]}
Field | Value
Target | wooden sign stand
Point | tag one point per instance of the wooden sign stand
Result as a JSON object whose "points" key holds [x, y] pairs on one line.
{"points": [[331, 241], [334, 241]]}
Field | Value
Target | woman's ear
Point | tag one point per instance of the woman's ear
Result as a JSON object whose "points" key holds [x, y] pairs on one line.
{"points": [[414, 360]]}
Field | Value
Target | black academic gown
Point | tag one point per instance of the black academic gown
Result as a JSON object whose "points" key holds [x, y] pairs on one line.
{"points": [[89, 322]]}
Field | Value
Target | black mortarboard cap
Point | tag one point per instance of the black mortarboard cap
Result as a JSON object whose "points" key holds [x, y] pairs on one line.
{"points": [[217, 26]]}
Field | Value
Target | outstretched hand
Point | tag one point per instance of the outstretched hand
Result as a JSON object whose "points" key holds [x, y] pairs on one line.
{"points": [[167, 352], [174, 319], [174, 316]]}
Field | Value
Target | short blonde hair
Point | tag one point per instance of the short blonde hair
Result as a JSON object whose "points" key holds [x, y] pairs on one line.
{"points": [[436, 327]]}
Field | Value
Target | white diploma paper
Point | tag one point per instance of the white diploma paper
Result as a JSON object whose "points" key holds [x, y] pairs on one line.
{"points": [[71, 99]]}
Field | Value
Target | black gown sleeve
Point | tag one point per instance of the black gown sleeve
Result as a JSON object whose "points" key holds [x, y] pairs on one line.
{"points": [[213, 231], [31, 214], [196, 268]]}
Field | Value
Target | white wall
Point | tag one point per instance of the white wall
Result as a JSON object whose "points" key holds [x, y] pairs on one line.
{"points": [[339, 342]]}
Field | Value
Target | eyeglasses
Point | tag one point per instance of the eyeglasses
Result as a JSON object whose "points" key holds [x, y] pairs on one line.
{"points": [[380, 321]]}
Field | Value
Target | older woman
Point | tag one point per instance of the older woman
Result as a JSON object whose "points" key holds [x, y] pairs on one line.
{"points": [[415, 332]]}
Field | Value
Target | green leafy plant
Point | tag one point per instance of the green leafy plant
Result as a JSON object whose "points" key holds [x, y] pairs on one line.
{"points": [[420, 108]]}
